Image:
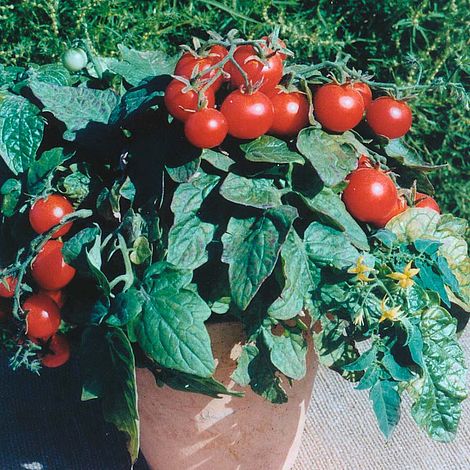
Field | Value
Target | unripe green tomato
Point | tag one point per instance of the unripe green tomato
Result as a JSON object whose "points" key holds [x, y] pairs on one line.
{"points": [[74, 59]]}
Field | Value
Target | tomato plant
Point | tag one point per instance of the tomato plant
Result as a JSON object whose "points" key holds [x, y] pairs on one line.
{"points": [[423, 200], [290, 113], [57, 352], [364, 90], [338, 108], [206, 128], [42, 316], [47, 212], [8, 286], [75, 59], [389, 117]]}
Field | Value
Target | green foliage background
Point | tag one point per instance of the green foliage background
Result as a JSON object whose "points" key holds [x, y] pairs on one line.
{"points": [[396, 40]]}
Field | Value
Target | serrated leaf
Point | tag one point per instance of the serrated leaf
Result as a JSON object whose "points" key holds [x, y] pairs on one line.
{"points": [[268, 149], [299, 281], [398, 150], [136, 66], [332, 156], [327, 246], [76, 107], [396, 370], [329, 205], [125, 307], [251, 248], [386, 405], [21, 132], [11, 192], [217, 159], [363, 361], [42, 167], [414, 223], [55, 74], [428, 279], [253, 192], [241, 375]]}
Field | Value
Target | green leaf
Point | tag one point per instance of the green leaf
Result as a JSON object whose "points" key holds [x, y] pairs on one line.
{"points": [[299, 279], [287, 353], [414, 223], [370, 378], [253, 192], [55, 74], [251, 248], [398, 150], [333, 211], [414, 341], [21, 131], [76, 107], [386, 405], [11, 192], [327, 246], [171, 328], [428, 279], [125, 307], [332, 156], [135, 65], [76, 185], [107, 366], [75, 247], [93, 260], [267, 149], [365, 360], [428, 247], [398, 372], [141, 250], [438, 396], [217, 159], [40, 169], [241, 375]]}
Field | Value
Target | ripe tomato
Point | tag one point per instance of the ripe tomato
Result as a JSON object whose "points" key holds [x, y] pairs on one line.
{"points": [[388, 117], [181, 105], [369, 195], [400, 206], [49, 269], [290, 113], [270, 73], [364, 91], [423, 200], [57, 296], [49, 211], [74, 59], [217, 53], [338, 108], [248, 115], [42, 317], [58, 352], [186, 65], [271, 45], [206, 128], [9, 289]]}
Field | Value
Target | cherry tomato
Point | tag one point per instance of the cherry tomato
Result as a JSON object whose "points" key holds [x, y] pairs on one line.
{"points": [[42, 317], [206, 128], [181, 105], [400, 206], [271, 46], [49, 211], [290, 113], [74, 59], [423, 200], [186, 65], [388, 117], [58, 296], [270, 73], [364, 90], [248, 115], [8, 290], [217, 53], [369, 195], [49, 269], [58, 351], [338, 108]]}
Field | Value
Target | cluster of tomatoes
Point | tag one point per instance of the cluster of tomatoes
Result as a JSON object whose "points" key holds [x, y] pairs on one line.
{"points": [[51, 274], [372, 197], [259, 104]]}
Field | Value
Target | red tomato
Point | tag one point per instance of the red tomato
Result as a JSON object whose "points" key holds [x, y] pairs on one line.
{"points": [[270, 73], [58, 352], [57, 296], [400, 206], [423, 200], [206, 128], [217, 53], [49, 269], [369, 195], [270, 46], [290, 113], [49, 211], [389, 117], [338, 108], [181, 105], [364, 90], [186, 69], [9, 289], [42, 317], [248, 115]]}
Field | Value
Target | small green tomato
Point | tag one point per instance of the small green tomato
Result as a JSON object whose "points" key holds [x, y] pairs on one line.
{"points": [[74, 59]]}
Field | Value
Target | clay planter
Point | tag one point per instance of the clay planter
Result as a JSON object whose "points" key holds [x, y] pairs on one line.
{"points": [[187, 431]]}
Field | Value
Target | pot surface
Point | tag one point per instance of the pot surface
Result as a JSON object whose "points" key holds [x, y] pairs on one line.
{"points": [[187, 431]]}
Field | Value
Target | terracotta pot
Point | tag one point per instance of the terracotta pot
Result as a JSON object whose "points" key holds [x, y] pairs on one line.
{"points": [[187, 431]]}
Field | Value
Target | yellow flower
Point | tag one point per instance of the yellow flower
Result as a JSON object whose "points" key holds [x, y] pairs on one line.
{"points": [[392, 314], [358, 320], [361, 270], [405, 278]]}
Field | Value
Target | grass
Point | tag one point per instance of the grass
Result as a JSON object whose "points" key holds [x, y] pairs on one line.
{"points": [[401, 40]]}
